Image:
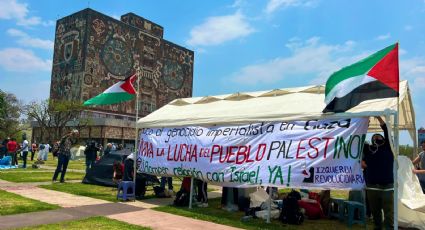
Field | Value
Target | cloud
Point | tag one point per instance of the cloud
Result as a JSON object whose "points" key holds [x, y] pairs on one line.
{"points": [[413, 70], [308, 58], [219, 29], [21, 60], [274, 5], [383, 37], [26, 40], [13, 10]]}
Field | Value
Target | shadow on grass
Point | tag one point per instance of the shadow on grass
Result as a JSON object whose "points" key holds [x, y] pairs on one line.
{"points": [[214, 213]]}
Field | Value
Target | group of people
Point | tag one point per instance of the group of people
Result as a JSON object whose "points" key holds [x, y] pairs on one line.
{"points": [[10, 147]]}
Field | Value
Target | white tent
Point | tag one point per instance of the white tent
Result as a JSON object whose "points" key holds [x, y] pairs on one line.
{"points": [[300, 103], [286, 104]]}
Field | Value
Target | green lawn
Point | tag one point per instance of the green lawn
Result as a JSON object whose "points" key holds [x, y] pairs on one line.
{"points": [[35, 175], [14, 204], [217, 215], [95, 191], [79, 164], [98, 222]]}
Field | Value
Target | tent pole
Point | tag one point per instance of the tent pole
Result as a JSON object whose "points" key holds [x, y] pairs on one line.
{"points": [[136, 155], [393, 139], [269, 204], [396, 149], [191, 193]]}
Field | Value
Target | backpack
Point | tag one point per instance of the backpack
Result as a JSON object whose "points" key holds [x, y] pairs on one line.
{"points": [[291, 213], [159, 191], [182, 198]]}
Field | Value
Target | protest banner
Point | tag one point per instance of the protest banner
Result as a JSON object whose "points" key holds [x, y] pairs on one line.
{"points": [[297, 154]]}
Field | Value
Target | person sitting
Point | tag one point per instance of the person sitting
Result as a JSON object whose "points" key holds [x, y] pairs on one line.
{"points": [[129, 175], [118, 172]]}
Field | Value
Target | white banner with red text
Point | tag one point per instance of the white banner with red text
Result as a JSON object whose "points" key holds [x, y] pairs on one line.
{"points": [[322, 154]]}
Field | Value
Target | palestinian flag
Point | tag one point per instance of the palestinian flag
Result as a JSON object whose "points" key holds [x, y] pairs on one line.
{"points": [[119, 92], [371, 78]]}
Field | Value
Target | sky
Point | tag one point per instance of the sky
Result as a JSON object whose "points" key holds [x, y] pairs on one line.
{"points": [[239, 45]]}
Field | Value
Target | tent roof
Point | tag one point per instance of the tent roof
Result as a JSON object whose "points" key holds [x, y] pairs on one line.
{"points": [[300, 103]]}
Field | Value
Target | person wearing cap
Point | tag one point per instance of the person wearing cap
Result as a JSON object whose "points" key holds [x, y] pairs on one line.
{"points": [[421, 171], [64, 154]]}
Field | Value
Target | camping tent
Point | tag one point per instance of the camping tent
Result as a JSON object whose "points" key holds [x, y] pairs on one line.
{"points": [[287, 104], [102, 172]]}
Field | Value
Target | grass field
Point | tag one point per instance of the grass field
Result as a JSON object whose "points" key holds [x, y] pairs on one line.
{"points": [[35, 175], [15, 204], [79, 164], [95, 191], [89, 223], [215, 214]]}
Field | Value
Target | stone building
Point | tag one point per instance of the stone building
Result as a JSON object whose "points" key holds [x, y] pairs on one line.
{"points": [[93, 51]]}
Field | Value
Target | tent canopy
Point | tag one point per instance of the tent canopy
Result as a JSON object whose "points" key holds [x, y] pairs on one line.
{"points": [[287, 104]]}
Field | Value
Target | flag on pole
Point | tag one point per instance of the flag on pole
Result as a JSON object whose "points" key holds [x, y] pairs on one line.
{"points": [[374, 77], [117, 93]]}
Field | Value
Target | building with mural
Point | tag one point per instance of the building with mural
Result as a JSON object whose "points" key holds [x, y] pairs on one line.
{"points": [[93, 51]]}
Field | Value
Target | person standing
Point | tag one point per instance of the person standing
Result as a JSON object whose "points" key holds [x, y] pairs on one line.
{"points": [[202, 195], [12, 146], [33, 150], [25, 147], [169, 181], [91, 155], [421, 171], [378, 163], [47, 149], [64, 154], [108, 149], [3, 148]]}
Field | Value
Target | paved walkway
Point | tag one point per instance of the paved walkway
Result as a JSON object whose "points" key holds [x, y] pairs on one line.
{"points": [[78, 207]]}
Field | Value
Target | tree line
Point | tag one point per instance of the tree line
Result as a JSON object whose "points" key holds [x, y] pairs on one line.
{"points": [[52, 117]]}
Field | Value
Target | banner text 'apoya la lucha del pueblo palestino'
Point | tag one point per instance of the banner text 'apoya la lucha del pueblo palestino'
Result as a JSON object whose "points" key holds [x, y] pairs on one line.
{"points": [[299, 154]]}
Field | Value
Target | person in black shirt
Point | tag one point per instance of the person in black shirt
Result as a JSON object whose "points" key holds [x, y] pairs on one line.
{"points": [[378, 161], [91, 154]]}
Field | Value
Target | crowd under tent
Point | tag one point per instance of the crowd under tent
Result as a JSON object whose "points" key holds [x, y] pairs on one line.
{"points": [[287, 104]]}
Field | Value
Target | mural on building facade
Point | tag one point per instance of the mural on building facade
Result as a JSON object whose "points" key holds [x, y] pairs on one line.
{"points": [[94, 51]]}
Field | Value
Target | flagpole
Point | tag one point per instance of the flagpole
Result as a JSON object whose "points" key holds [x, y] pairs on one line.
{"points": [[137, 130]]}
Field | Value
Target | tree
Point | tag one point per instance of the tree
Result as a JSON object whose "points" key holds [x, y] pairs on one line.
{"points": [[10, 112], [54, 116]]}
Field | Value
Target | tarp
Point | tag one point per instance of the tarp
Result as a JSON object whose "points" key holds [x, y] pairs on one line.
{"points": [[411, 199], [285, 104], [102, 172], [77, 152]]}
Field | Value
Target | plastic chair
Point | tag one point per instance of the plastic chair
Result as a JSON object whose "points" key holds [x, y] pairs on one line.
{"points": [[336, 208], [351, 207], [123, 193]]}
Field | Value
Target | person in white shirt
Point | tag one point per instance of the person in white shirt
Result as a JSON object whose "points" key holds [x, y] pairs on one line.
{"points": [[46, 151], [24, 148]]}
